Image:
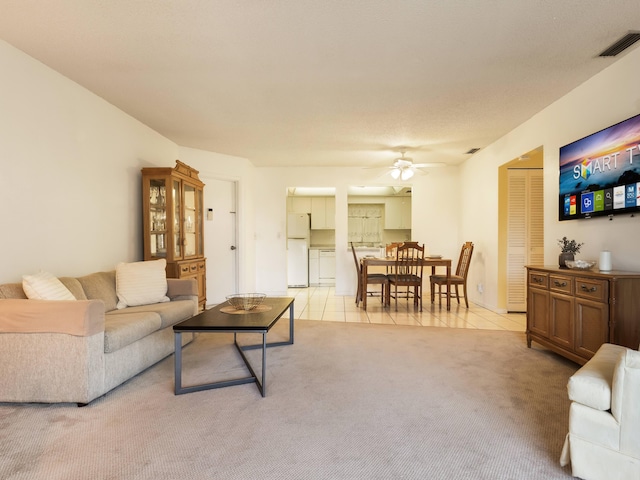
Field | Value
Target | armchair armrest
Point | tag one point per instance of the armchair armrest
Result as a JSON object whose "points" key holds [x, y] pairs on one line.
{"points": [[625, 392], [591, 384], [81, 318]]}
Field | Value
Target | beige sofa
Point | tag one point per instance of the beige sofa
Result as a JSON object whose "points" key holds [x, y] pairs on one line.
{"points": [[75, 351]]}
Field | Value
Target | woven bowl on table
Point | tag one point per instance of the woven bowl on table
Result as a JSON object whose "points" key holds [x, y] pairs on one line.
{"points": [[246, 301], [580, 264]]}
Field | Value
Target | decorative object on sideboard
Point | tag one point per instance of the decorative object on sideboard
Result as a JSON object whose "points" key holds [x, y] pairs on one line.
{"points": [[580, 264], [568, 250], [605, 261]]}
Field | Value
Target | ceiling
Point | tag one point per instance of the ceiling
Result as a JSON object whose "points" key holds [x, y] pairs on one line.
{"points": [[324, 82]]}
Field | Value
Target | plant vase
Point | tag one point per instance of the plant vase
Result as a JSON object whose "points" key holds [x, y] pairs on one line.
{"points": [[562, 259]]}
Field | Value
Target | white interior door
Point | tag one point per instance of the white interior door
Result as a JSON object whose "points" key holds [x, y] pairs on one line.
{"points": [[525, 232], [220, 239]]}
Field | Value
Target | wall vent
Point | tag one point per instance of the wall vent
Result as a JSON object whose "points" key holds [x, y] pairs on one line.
{"points": [[621, 45]]}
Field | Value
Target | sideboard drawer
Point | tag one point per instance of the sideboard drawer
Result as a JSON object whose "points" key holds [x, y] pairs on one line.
{"points": [[559, 283], [538, 279], [597, 290]]}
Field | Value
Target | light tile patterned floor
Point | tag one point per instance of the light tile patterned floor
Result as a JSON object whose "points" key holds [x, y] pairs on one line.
{"points": [[321, 303]]}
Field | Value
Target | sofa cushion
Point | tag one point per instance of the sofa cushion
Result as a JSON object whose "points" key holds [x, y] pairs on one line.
{"points": [[170, 312], [141, 283], [45, 286], [122, 328], [591, 385], [15, 290], [74, 287], [12, 290], [101, 286]]}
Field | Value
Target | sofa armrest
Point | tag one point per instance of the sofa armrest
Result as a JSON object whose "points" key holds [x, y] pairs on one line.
{"points": [[182, 287], [81, 318]]}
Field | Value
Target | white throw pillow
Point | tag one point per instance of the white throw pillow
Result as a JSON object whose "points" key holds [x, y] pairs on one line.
{"points": [[44, 286], [141, 283]]}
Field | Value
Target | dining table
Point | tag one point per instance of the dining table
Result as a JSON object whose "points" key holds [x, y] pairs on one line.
{"points": [[433, 262]]}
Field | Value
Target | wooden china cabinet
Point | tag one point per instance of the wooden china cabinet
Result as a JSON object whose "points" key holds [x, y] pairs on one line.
{"points": [[172, 203]]}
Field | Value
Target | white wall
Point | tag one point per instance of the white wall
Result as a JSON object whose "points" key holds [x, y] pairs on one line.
{"points": [[70, 185], [239, 170], [609, 97], [435, 206], [70, 165]]}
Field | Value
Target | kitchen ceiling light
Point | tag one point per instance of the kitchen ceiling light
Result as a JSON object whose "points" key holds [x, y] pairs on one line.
{"points": [[395, 173]]}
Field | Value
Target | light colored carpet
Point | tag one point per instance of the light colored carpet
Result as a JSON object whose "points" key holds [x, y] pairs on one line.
{"points": [[346, 401]]}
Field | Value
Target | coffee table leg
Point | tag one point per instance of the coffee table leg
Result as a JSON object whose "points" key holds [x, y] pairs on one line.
{"points": [[263, 390], [260, 382], [291, 316], [178, 362]]}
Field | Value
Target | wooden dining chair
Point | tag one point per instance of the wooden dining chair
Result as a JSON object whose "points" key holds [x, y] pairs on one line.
{"points": [[391, 249], [408, 273], [372, 279], [459, 278]]}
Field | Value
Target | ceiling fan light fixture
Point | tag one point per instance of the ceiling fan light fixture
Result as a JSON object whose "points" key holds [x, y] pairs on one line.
{"points": [[395, 173], [407, 173]]}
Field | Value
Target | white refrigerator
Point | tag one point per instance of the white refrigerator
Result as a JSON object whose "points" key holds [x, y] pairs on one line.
{"points": [[298, 234]]}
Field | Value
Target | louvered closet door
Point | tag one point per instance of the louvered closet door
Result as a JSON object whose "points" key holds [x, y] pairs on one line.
{"points": [[525, 232]]}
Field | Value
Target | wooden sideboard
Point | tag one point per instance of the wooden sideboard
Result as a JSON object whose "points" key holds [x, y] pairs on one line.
{"points": [[573, 312]]}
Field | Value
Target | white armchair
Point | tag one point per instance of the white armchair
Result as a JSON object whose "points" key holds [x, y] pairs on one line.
{"points": [[603, 442]]}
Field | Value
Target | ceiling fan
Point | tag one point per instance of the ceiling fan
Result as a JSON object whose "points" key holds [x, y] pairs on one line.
{"points": [[403, 168]]}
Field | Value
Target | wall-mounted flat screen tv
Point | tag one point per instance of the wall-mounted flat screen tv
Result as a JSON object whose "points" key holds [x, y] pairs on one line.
{"points": [[600, 173]]}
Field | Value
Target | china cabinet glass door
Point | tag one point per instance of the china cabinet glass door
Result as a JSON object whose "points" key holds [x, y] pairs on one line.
{"points": [[190, 220], [177, 230], [158, 217], [199, 222]]}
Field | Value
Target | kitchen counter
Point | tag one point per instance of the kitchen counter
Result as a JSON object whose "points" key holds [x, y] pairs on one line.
{"points": [[369, 251]]}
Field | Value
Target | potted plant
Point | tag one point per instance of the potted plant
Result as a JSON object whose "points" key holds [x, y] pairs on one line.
{"points": [[568, 250]]}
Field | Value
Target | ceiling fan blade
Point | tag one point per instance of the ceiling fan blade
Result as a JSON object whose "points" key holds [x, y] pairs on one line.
{"points": [[378, 167], [428, 165]]}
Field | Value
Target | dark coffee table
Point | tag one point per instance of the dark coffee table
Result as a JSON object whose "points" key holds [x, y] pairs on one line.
{"points": [[216, 320]]}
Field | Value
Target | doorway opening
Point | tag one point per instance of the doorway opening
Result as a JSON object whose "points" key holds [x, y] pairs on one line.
{"points": [[520, 226], [311, 236]]}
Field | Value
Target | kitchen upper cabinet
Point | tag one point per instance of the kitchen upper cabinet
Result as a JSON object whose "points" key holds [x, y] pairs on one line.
{"points": [[323, 213], [299, 204], [397, 213]]}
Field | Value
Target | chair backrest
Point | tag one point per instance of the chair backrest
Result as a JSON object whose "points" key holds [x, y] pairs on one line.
{"points": [[409, 259], [355, 258], [392, 249], [411, 244], [465, 260]]}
